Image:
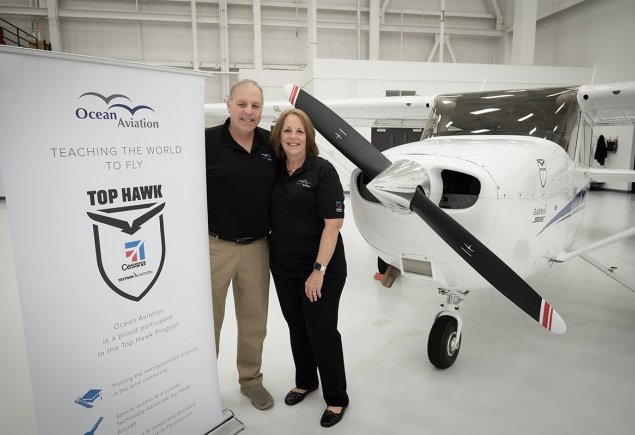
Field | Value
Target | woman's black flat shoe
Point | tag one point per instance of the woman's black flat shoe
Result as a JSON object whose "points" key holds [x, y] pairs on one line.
{"points": [[293, 397], [329, 418]]}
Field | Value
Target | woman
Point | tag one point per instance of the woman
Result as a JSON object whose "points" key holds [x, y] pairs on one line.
{"points": [[307, 213]]}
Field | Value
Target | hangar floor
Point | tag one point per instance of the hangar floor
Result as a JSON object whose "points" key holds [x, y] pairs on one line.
{"points": [[511, 377]]}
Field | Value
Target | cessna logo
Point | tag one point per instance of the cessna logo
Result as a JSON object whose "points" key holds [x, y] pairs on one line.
{"points": [[542, 171], [129, 239]]}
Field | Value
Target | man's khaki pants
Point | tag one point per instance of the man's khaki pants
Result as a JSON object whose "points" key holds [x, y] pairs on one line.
{"points": [[246, 267]]}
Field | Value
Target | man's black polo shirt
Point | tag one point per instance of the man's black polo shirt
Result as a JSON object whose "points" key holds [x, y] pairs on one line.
{"points": [[238, 183], [299, 205]]}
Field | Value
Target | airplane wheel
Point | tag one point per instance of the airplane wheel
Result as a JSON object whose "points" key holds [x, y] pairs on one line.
{"points": [[382, 266], [443, 347]]}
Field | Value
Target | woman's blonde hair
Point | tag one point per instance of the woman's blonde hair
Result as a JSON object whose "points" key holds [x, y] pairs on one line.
{"points": [[309, 130]]}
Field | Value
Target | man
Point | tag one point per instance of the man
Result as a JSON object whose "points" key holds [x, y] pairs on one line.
{"points": [[240, 176]]}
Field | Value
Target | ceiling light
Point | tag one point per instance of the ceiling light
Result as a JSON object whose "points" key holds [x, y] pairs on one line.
{"points": [[558, 93], [480, 112], [497, 96]]}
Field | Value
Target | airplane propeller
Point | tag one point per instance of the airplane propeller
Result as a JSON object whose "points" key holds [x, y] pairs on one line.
{"points": [[378, 167]]}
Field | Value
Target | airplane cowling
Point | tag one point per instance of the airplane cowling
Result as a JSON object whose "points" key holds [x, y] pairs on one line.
{"points": [[393, 234]]}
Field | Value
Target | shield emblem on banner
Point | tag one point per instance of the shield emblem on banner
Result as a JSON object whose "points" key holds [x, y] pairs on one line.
{"points": [[130, 247]]}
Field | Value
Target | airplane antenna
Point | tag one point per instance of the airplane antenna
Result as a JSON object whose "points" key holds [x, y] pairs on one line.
{"points": [[483, 84], [595, 68]]}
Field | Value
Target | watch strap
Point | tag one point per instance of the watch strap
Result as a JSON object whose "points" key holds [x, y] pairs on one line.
{"points": [[319, 267]]}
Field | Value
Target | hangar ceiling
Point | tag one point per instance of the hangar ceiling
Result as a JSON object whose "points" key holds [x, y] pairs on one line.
{"points": [[367, 21]]}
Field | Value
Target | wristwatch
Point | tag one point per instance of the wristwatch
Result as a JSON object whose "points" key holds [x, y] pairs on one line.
{"points": [[319, 267]]}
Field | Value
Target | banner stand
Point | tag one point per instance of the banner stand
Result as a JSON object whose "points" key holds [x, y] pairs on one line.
{"points": [[103, 164], [230, 426]]}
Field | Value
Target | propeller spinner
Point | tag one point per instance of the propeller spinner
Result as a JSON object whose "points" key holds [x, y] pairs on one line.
{"points": [[377, 167]]}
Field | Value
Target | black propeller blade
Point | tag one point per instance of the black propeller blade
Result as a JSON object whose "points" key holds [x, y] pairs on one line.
{"points": [[337, 131], [372, 162]]}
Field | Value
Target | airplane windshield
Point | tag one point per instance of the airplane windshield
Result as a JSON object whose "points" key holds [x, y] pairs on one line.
{"points": [[550, 113]]}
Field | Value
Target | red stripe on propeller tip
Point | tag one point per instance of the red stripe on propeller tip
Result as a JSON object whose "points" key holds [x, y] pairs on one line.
{"points": [[294, 94], [550, 319], [546, 314]]}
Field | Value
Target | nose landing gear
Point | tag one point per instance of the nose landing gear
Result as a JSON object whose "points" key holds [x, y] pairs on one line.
{"points": [[444, 341]]}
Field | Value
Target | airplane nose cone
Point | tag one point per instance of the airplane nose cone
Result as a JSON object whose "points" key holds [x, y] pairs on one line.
{"points": [[395, 186]]}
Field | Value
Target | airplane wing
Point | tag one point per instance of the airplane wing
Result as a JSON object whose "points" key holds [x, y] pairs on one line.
{"points": [[405, 111], [609, 104], [599, 175]]}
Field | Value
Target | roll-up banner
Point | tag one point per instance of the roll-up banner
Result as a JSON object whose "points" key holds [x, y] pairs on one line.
{"points": [[104, 176]]}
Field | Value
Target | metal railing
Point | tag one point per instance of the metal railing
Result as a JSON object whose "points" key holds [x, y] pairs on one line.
{"points": [[13, 35]]}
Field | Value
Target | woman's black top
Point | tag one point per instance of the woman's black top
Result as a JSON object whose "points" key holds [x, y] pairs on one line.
{"points": [[299, 205]]}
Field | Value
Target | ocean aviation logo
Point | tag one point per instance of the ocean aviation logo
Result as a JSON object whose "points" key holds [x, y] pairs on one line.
{"points": [[129, 239], [115, 108]]}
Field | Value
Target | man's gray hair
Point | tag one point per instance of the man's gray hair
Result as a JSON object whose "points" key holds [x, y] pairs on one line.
{"points": [[242, 82]]}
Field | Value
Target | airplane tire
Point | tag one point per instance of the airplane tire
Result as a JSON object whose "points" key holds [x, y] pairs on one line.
{"points": [[442, 347], [382, 266]]}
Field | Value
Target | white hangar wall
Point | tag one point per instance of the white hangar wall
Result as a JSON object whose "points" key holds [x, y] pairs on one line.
{"points": [[598, 33], [349, 79]]}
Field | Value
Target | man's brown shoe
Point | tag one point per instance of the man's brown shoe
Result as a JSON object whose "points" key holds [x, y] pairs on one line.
{"points": [[259, 396]]}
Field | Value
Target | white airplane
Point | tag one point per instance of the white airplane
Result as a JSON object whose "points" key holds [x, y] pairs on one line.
{"points": [[493, 193]]}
